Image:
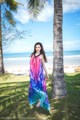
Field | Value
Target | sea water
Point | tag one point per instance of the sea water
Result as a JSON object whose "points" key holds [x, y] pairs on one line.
{"points": [[21, 60]]}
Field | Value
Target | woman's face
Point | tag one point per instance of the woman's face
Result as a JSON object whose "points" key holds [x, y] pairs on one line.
{"points": [[38, 48]]}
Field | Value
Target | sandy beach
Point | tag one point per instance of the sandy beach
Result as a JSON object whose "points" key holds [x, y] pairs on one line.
{"points": [[21, 65], [25, 70]]}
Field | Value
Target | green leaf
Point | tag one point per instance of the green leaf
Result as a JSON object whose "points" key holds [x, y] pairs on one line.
{"points": [[35, 7], [9, 17], [12, 4]]}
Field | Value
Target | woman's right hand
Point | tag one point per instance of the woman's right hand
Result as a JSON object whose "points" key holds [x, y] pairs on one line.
{"points": [[47, 76]]}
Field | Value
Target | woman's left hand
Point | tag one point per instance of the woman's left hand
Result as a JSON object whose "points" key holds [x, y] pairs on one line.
{"points": [[47, 76]]}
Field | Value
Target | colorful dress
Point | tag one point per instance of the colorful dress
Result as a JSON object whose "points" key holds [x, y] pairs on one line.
{"points": [[37, 86]]}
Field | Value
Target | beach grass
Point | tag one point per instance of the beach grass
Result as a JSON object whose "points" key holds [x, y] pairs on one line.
{"points": [[14, 103]]}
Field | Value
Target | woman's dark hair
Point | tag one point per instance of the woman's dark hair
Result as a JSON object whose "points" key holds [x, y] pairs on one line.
{"points": [[41, 51]]}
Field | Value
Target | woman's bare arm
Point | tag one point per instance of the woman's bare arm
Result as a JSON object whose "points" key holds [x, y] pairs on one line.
{"points": [[43, 62]]}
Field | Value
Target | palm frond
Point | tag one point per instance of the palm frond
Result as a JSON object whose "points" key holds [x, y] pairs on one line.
{"points": [[12, 4], [35, 7], [10, 18]]}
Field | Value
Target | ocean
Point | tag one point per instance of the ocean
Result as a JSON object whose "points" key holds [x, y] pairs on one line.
{"points": [[49, 53], [21, 60]]}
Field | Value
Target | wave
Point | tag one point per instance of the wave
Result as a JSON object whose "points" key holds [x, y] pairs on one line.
{"points": [[67, 56], [49, 57], [72, 56], [22, 58]]}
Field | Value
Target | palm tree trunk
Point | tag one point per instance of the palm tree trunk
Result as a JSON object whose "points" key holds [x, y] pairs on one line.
{"points": [[1, 52], [59, 85]]}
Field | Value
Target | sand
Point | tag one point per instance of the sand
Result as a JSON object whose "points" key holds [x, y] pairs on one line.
{"points": [[25, 70]]}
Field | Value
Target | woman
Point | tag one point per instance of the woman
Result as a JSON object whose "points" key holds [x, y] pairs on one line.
{"points": [[37, 92]]}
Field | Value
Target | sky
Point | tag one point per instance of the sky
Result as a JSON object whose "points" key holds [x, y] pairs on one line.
{"points": [[41, 29]]}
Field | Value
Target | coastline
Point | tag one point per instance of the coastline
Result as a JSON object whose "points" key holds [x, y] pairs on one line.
{"points": [[22, 70], [21, 65]]}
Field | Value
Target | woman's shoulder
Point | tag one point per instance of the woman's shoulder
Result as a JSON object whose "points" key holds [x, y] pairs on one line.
{"points": [[41, 57], [32, 54]]}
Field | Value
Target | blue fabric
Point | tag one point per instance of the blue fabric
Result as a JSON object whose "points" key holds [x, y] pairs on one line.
{"points": [[37, 90]]}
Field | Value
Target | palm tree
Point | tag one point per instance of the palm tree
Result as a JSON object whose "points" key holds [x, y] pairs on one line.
{"points": [[59, 85], [58, 82], [35, 7], [12, 5]]}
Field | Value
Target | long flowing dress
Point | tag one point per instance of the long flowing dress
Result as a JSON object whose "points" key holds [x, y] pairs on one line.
{"points": [[37, 86]]}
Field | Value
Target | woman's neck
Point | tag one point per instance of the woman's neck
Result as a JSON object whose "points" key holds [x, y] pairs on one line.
{"points": [[37, 53]]}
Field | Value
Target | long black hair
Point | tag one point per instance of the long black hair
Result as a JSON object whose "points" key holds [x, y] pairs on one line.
{"points": [[41, 51]]}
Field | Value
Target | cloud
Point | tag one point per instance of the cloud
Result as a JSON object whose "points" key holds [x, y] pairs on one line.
{"points": [[23, 16], [67, 45], [71, 5], [47, 13], [18, 47], [71, 45]]}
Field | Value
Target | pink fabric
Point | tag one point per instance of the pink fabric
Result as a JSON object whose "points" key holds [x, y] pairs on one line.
{"points": [[35, 65]]}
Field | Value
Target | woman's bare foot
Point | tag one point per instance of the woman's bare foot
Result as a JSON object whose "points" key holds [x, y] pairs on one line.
{"points": [[38, 104]]}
